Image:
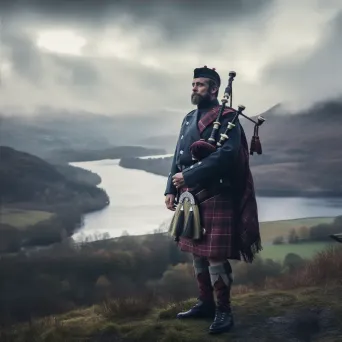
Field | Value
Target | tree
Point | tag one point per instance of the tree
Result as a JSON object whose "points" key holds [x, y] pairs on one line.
{"points": [[293, 237], [279, 240], [292, 261], [304, 233]]}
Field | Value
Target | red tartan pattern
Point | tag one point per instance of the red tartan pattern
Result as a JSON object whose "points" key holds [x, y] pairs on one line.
{"points": [[217, 217], [211, 116], [230, 234], [248, 222]]}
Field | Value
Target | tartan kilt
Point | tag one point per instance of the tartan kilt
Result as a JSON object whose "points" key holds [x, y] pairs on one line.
{"points": [[218, 218]]}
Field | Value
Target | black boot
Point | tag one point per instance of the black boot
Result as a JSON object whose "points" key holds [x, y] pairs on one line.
{"points": [[205, 307], [221, 278]]}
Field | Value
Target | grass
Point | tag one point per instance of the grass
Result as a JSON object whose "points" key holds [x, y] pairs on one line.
{"points": [[273, 229], [304, 250], [255, 315], [20, 218], [301, 306]]}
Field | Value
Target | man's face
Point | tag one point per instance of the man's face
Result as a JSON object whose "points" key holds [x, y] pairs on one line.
{"points": [[200, 91]]}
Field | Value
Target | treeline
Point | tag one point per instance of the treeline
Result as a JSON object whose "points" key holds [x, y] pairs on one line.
{"points": [[67, 276], [79, 175], [319, 232], [64, 221]]}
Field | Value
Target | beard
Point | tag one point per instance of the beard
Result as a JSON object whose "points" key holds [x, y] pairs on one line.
{"points": [[197, 99]]}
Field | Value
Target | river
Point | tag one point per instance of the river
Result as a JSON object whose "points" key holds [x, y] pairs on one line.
{"points": [[137, 203]]}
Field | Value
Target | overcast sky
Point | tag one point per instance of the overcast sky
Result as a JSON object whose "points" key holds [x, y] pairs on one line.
{"points": [[125, 57]]}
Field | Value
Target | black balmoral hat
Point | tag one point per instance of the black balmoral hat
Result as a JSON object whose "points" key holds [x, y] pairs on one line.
{"points": [[208, 73]]}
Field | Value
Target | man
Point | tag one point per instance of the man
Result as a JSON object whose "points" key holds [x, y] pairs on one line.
{"points": [[230, 216]]}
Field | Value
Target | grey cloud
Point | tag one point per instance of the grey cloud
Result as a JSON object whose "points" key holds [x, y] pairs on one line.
{"points": [[24, 55], [99, 85], [175, 18], [82, 72], [85, 9], [30, 63], [311, 78], [179, 35]]}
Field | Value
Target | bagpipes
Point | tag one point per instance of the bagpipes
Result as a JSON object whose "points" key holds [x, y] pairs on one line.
{"points": [[186, 220]]}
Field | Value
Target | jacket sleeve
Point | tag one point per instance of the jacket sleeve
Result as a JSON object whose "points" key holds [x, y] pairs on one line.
{"points": [[170, 188], [222, 158]]}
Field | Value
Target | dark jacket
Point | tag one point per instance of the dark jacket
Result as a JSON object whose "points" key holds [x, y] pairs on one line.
{"points": [[212, 168]]}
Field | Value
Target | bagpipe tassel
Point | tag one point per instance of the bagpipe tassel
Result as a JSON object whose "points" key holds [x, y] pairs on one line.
{"points": [[255, 142]]}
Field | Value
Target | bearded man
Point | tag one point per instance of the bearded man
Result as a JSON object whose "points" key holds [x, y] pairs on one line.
{"points": [[230, 216]]}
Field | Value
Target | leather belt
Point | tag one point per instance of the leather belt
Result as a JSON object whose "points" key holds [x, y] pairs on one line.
{"points": [[205, 194]]}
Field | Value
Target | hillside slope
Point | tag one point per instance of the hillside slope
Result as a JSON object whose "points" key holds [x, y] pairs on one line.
{"points": [[107, 291], [306, 314], [27, 178], [41, 203]]}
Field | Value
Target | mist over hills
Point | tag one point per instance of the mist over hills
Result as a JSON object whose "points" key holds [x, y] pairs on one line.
{"points": [[293, 143], [50, 133], [283, 127], [301, 152]]}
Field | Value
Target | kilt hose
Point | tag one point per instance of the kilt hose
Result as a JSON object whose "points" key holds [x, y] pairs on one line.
{"points": [[218, 218]]}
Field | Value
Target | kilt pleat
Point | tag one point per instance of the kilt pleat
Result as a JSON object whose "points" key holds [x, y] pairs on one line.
{"points": [[218, 218]]}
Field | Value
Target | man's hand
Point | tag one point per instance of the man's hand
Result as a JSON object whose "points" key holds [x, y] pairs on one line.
{"points": [[178, 180], [170, 202]]}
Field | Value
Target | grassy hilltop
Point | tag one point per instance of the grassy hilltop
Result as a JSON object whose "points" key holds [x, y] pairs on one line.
{"points": [[301, 305], [277, 316], [106, 290]]}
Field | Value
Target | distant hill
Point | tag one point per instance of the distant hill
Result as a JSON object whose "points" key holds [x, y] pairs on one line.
{"points": [[27, 178], [77, 174], [166, 142], [42, 203], [302, 153], [48, 133], [42, 134]]}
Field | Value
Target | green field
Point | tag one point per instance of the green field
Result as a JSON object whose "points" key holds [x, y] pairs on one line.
{"points": [[273, 229], [20, 218], [305, 250]]}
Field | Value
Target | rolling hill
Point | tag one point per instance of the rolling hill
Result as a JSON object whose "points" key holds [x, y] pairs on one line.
{"points": [[42, 203], [27, 178], [63, 136]]}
